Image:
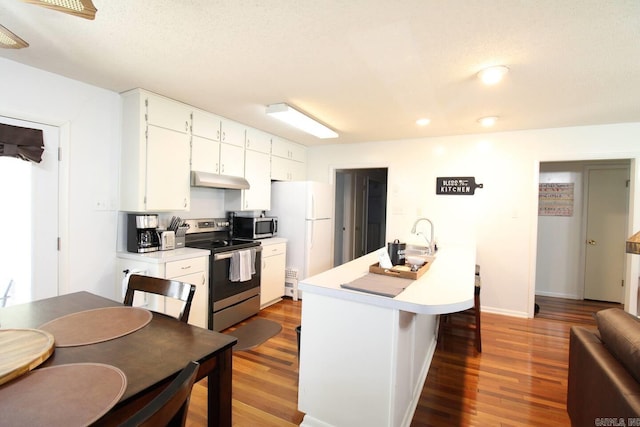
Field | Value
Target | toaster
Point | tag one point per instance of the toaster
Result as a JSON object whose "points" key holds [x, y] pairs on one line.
{"points": [[167, 240]]}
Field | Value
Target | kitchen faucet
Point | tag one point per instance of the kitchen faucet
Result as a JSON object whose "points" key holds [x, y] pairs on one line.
{"points": [[430, 243]]}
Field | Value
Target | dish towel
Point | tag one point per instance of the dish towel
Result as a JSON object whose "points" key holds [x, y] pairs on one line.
{"points": [[242, 265]]}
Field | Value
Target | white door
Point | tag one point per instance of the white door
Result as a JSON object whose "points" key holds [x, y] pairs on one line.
{"points": [[606, 233], [29, 214]]}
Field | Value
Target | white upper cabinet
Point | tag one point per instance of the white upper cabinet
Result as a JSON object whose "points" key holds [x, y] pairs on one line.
{"points": [[258, 196], [232, 132], [257, 140], [288, 150], [206, 125], [231, 160], [155, 153], [288, 160], [205, 155]]}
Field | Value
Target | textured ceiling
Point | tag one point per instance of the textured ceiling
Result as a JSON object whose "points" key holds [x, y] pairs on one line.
{"points": [[366, 68]]}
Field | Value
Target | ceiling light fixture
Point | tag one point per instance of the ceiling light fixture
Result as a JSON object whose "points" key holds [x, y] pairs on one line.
{"points": [[423, 122], [488, 121], [82, 8], [633, 244], [299, 120], [493, 75], [8, 40]]}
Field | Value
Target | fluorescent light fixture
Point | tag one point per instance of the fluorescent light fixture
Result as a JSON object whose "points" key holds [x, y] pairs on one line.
{"points": [[299, 120], [423, 122], [8, 40], [82, 8], [493, 75], [488, 121]]}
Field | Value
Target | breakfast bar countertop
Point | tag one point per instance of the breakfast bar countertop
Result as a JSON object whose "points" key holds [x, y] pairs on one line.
{"points": [[447, 287]]}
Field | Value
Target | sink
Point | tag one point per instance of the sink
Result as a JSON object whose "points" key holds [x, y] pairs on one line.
{"points": [[417, 251]]}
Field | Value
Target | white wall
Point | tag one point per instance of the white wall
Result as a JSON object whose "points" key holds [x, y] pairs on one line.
{"points": [[502, 216], [558, 253], [89, 118]]}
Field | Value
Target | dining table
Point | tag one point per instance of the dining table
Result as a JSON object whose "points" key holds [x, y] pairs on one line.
{"points": [[150, 357]]}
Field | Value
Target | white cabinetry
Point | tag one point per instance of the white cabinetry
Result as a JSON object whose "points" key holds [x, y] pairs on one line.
{"points": [[288, 160], [155, 153], [217, 145], [257, 171], [194, 270], [273, 269]]}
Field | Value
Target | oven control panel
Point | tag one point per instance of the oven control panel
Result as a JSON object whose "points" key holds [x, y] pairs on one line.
{"points": [[204, 225]]}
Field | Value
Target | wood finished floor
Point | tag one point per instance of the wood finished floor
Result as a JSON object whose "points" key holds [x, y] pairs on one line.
{"points": [[519, 379]]}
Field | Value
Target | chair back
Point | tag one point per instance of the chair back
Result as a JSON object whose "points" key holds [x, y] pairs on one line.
{"points": [[165, 287], [170, 407]]}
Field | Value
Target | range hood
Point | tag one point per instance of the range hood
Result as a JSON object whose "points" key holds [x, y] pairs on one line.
{"points": [[214, 180]]}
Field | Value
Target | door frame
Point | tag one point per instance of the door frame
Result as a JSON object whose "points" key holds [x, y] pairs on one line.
{"points": [[64, 137], [632, 271], [585, 219]]}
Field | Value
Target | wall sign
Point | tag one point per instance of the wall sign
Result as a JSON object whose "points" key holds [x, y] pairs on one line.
{"points": [[457, 185], [555, 199]]}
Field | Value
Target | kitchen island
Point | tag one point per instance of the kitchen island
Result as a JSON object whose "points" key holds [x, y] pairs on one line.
{"points": [[364, 358]]}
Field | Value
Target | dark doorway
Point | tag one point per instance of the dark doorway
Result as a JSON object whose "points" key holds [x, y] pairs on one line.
{"points": [[361, 212]]}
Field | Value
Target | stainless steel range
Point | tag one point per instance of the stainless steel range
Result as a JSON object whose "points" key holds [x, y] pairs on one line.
{"points": [[230, 301]]}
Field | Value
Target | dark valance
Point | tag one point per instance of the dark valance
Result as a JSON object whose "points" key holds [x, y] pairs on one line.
{"points": [[23, 143]]}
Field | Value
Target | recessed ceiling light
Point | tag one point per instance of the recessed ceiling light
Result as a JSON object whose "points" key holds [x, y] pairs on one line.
{"points": [[488, 121], [493, 75], [423, 122]]}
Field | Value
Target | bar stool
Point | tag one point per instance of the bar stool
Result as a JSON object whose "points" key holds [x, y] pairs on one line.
{"points": [[447, 322]]}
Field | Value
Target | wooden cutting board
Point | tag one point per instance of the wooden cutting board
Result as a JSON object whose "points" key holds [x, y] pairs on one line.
{"points": [[21, 350]]}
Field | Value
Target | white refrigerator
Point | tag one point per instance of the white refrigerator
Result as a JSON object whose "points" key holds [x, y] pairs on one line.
{"points": [[305, 210]]}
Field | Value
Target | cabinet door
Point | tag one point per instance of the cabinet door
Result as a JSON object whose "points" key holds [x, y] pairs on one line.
{"points": [[205, 155], [206, 125], [231, 160], [288, 150], [167, 113], [287, 170], [199, 306], [257, 172], [167, 177], [232, 132], [194, 271], [273, 274], [257, 140]]}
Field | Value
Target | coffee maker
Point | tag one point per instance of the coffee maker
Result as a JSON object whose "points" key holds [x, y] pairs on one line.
{"points": [[142, 233]]}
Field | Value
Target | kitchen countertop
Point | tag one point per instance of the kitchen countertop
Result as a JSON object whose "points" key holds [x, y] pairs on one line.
{"points": [[447, 287], [272, 241], [160, 257]]}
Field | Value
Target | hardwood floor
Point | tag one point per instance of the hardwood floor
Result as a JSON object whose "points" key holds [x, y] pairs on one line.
{"points": [[519, 379]]}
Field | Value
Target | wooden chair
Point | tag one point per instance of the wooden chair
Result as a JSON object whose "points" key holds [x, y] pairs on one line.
{"points": [[168, 288], [170, 407], [447, 322]]}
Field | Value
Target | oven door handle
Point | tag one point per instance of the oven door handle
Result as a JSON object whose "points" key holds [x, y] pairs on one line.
{"points": [[226, 255]]}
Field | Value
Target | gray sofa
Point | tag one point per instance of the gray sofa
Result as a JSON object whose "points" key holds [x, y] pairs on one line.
{"points": [[604, 371]]}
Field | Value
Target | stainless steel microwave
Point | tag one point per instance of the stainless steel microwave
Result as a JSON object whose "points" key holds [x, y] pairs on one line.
{"points": [[255, 228]]}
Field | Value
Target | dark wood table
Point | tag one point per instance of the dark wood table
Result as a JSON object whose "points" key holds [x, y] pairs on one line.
{"points": [[150, 357]]}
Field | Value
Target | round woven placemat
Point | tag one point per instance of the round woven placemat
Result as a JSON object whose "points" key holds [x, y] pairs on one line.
{"points": [[76, 394], [97, 325]]}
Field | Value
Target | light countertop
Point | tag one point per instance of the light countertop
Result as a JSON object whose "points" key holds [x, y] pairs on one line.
{"points": [[160, 257], [447, 287], [272, 241]]}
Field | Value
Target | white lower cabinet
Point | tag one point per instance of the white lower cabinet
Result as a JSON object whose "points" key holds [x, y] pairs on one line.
{"points": [[272, 274], [190, 270]]}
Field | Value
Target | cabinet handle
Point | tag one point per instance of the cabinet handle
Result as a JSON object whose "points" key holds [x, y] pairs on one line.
{"points": [[186, 267], [185, 202], [186, 126], [224, 136], [218, 135], [222, 168], [217, 168]]}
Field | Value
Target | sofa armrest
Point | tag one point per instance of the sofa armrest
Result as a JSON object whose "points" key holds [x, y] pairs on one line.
{"points": [[598, 385]]}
